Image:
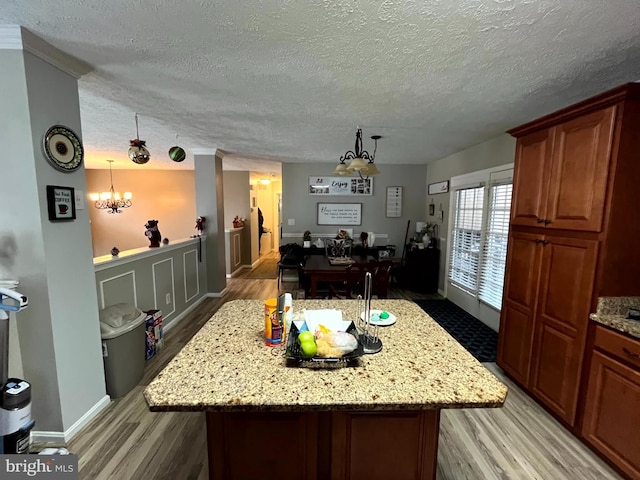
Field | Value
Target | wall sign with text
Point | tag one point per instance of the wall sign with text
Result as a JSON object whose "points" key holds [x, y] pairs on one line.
{"points": [[339, 213], [61, 203], [340, 186]]}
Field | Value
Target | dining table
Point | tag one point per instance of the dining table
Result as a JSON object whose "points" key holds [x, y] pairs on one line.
{"points": [[318, 268]]}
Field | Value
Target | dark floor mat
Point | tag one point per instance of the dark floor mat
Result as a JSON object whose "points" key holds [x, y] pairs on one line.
{"points": [[480, 340]]}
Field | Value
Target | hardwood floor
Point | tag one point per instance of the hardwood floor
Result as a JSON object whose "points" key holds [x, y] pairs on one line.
{"points": [[519, 441]]}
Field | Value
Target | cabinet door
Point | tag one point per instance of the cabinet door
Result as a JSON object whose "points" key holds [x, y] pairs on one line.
{"points": [[562, 314], [612, 417], [531, 178], [579, 171], [518, 305]]}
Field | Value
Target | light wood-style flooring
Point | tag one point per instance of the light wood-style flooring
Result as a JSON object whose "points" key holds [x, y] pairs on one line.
{"points": [[519, 441]]}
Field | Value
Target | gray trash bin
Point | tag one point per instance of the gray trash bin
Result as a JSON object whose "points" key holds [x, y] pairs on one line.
{"points": [[123, 347]]}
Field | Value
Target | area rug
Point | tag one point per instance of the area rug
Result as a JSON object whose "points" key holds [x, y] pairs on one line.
{"points": [[480, 340], [268, 268]]}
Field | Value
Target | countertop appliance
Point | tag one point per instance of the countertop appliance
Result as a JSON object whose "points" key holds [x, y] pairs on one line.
{"points": [[15, 393]]}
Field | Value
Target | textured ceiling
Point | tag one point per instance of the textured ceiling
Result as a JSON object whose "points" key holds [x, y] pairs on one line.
{"points": [[287, 80]]}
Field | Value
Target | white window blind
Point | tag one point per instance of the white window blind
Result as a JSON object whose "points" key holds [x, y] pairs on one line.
{"points": [[466, 237], [494, 251]]}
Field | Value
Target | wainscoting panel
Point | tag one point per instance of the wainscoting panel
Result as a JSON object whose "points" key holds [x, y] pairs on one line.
{"points": [[164, 292], [191, 275], [119, 289]]}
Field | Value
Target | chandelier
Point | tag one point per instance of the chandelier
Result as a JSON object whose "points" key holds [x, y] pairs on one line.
{"points": [[360, 161], [112, 201]]}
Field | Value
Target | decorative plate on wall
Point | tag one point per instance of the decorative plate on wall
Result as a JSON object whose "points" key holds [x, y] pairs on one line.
{"points": [[63, 148]]}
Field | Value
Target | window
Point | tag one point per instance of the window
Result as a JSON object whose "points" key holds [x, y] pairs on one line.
{"points": [[494, 251], [465, 238], [479, 239]]}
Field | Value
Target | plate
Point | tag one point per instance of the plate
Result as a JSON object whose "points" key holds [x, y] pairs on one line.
{"points": [[383, 323], [63, 148]]}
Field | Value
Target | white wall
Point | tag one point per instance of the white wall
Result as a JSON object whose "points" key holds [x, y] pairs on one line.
{"points": [[302, 207], [237, 201], [492, 153], [59, 331]]}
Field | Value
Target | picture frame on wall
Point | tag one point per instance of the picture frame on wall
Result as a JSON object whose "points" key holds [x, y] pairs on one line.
{"points": [[440, 187], [61, 203], [341, 214], [319, 185]]}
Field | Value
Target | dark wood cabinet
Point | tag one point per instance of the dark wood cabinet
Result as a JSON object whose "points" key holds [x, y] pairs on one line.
{"points": [[564, 298], [524, 254], [561, 173], [612, 410], [573, 225], [420, 273], [543, 329]]}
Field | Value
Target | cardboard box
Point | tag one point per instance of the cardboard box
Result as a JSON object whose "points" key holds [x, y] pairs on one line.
{"points": [[154, 330]]}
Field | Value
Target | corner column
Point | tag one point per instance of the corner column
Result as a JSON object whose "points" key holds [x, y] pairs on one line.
{"points": [[210, 204]]}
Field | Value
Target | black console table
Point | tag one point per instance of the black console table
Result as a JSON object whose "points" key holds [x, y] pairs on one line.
{"points": [[420, 273]]}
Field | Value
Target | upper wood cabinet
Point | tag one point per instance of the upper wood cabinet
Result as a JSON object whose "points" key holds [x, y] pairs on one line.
{"points": [[561, 173]]}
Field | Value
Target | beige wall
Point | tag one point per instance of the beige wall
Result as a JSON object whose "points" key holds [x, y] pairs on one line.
{"points": [[167, 196]]}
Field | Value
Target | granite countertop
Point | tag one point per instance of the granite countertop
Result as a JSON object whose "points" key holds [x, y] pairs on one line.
{"points": [[226, 366], [612, 311]]}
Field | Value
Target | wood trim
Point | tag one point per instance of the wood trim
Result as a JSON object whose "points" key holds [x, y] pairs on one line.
{"points": [[629, 91]]}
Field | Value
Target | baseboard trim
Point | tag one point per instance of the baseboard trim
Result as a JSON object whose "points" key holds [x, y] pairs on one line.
{"points": [[42, 436], [217, 295], [170, 325], [441, 292]]}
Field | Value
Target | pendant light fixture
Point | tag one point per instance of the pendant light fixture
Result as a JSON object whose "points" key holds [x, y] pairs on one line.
{"points": [[138, 153], [360, 161], [112, 201]]}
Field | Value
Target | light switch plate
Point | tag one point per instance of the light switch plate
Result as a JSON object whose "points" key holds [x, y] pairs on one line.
{"points": [[291, 221], [79, 194]]}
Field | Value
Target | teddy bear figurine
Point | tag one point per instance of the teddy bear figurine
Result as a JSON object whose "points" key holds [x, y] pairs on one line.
{"points": [[152, 233]]}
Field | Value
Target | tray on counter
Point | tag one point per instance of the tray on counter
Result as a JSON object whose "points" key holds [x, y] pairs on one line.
{"points": [[294, 357]]}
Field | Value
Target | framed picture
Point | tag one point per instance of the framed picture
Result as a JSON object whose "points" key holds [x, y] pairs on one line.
{"points": [[440, 187], [61, 203], [339, 214], [394, 202], [340, 186]]}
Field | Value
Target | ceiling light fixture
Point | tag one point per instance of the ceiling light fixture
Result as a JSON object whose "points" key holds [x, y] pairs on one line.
{"points": [[111, 200], [361, 162], [138, 153]]}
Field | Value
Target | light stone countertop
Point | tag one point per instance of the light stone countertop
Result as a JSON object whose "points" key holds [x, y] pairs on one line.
{"points": [[612, 311], [226, 366]]}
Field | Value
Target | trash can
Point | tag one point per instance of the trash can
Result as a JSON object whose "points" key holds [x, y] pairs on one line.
{"points": [[123, 347]]}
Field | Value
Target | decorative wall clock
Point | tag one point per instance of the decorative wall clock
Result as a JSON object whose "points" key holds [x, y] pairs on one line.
{"points": [[63, 148]]}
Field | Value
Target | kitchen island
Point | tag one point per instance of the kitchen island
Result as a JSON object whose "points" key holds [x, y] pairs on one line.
{"points": [[378, 420]]}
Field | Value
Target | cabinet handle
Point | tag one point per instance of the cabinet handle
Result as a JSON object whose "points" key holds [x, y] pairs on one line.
{"points": [[546, 221], [545, 242], [540, 220], [630, 353], [538, 240]]}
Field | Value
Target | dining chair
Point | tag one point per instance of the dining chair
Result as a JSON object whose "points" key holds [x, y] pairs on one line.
{"points": [[337, 247], [291, 258]]}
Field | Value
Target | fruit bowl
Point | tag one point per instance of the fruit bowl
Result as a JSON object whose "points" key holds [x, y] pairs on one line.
{"points": [[295, 358]]}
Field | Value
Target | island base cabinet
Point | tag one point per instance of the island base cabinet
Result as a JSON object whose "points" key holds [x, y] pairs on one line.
{"points": [[382, 446], [323, 445]]}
